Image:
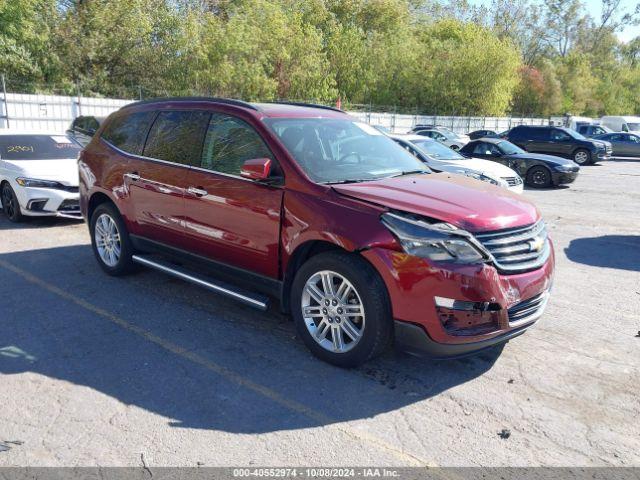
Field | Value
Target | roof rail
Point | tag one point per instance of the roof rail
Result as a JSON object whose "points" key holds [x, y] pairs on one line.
{"points": [[228, 101], [312, 105]]}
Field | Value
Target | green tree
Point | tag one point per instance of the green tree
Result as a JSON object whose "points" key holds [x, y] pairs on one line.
{"points": [[25, 33]]}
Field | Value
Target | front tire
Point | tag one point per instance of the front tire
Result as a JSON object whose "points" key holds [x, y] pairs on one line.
{"points": [[539, 177], [10, 204], [110, 240], [582, 157], [341, 309]]}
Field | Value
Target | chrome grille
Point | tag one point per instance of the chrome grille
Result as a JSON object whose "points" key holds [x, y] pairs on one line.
{"points": [[528, 310], [517, 249], [512, 181]]}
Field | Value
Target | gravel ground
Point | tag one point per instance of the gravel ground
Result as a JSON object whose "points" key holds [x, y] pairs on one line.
{"points": [[147, 370]]}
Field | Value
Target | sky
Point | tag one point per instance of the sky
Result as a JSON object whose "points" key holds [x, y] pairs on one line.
{"points": [[593, 6]]}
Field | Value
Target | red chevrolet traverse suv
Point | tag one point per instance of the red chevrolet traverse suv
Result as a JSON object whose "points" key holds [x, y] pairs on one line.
{"points": [[359, 241]]}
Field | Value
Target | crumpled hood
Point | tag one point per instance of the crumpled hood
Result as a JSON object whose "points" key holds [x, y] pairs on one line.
{"points": [[464, 202], [64, 171]]}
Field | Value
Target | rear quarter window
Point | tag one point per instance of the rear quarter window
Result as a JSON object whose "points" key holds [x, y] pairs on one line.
{"points": [[128, 131]]}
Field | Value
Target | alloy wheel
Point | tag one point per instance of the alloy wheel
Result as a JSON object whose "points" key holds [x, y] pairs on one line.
{"points": [[540, 177], [7, 202], [581, 157], [107, 239], [333, 311]]}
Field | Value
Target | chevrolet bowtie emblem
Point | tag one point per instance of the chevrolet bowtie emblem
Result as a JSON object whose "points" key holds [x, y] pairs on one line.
{"points": [[536, 244]]}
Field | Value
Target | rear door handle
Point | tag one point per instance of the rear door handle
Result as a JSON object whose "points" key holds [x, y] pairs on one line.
{"points": [[134, 177], [198, 192]]}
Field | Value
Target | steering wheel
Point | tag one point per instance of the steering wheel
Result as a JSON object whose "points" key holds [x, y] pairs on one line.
{"points": [[349, 154]]}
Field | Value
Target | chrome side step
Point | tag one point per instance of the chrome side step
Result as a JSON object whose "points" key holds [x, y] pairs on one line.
{"points": [[253, 300]]}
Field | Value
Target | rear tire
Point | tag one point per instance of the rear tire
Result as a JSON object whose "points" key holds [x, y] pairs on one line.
{"points": [[539, 177], [10, 204], [110, 240], [341, 309], [582, 157]]}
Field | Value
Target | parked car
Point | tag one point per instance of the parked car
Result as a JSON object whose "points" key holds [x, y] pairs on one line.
{"points": [[482, 133], [83, 128], [444, 136], [354, 236], [621, 124], [540, 171], [590, 130], [560, 141], [442, 159], [38, 175], [623, 144]]}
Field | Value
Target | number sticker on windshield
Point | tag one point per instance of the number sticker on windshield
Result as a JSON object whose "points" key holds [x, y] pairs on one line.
{"points": [[19, 148]]}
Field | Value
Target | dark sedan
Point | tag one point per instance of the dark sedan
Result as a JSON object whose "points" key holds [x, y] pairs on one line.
{"points": [[540, 171], [482, 133], [623, 144]]}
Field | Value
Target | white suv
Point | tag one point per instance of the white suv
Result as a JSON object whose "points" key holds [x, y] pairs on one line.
{"points": [[38, 175]]}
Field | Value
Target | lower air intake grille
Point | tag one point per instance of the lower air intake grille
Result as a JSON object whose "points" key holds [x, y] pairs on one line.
{"points": [[529, 309]]}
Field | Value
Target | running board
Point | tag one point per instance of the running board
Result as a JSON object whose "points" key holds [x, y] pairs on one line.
{"points": [[253, 300]]}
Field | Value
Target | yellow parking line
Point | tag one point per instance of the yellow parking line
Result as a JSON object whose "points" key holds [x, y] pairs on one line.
{"points": [[225, 372]]}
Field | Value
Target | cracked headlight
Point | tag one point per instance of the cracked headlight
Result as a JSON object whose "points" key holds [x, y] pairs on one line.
{"points": [[440, 242]]}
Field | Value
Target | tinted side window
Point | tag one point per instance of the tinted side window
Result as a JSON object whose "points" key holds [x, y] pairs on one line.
{"points": [[482, 149], [91, 125], [177, 136], [229, 143], [518, 133], [537, 134], [560, 136], [127, 132]]}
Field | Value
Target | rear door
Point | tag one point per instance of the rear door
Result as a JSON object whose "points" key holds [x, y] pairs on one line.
{"points": [[158, 182], [538, 140], [229, 218]]}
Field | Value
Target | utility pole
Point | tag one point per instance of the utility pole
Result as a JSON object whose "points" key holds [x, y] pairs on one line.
{"points": [[4, 97]]}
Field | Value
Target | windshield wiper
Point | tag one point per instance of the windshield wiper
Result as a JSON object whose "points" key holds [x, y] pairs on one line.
{"points": [[408, 172], [351, 180]]}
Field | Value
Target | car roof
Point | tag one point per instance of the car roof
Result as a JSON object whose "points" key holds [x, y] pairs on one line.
{"points": [[276, 109]]}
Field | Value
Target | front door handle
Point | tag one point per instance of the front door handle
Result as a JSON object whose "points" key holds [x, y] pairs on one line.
{"points": [[198, 192], [134, 177]]}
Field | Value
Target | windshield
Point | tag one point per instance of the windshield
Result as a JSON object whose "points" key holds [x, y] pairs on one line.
{"points": [[634, 127], [437, 150], [37, 147], [340, 150], [509, 148]]}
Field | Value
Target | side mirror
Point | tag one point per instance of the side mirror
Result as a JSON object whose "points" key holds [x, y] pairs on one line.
{"points": [[256, 169]]}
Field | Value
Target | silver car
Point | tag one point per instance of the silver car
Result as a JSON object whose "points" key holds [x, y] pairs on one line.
{"points": [[447, 137], [623, 144]]}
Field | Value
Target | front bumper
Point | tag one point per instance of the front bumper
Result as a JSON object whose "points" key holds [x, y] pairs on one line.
{"points": [[562, 178], [47, 202], [505, 302]]}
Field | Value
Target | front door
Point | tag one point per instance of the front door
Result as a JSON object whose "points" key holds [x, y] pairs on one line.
{"points": [[228, 218]]}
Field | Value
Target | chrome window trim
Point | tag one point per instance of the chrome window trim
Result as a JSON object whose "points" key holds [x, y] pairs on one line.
{"points": [[182, 165]]}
